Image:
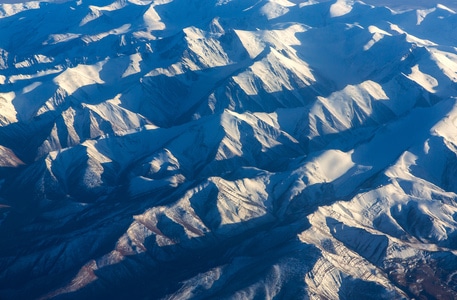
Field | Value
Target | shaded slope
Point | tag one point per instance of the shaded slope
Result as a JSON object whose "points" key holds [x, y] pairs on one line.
{"points": [[237, 149]]}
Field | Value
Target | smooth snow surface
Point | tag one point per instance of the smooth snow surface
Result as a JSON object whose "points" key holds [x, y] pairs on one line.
{"points": [[228, 149], [340, 8]]}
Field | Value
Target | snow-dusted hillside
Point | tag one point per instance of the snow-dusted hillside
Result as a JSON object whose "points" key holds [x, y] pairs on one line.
{"points": [[241, 149]]}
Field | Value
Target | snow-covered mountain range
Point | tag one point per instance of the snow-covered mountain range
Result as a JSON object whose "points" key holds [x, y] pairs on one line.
{"points": [[228, 149]]}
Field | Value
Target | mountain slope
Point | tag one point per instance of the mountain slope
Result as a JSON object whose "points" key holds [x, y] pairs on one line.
{"points": [[231, 149]]}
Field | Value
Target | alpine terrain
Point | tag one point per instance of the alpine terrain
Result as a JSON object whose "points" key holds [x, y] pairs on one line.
{"points": [[228, 149]]}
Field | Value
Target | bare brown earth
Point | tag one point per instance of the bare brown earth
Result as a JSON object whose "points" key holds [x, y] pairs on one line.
{"points": [[422, 279]]}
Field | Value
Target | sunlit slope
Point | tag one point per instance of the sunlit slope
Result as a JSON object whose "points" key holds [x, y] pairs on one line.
{"points": [[227, 149]]}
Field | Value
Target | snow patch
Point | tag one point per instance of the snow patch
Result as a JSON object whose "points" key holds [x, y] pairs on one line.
{"points": [[152, 20], [13, 8], [422, 14], [340, 8], [61, 38], [31, 87], [8, 111], [378, 34], [134, 66], [275, 9], [332, 164], [444, 7], [82, 75], [251, 42], [426, 81]]}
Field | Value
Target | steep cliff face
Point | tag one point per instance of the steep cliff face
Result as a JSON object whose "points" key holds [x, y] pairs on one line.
{"points": [[227, 149]]}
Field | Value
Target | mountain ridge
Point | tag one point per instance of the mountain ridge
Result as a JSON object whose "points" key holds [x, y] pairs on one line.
{"points": [[237, 149]]}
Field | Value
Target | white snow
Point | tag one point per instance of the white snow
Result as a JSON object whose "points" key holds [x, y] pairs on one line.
{"points": [[276, 8], [251, 42], [331, 164], [425, 80], [340, 8], [152, 20], [61, 38], [82, 75], [309, 146], [11, 8], [378, 34], [134, 66], [422, 14], [7, 108]]}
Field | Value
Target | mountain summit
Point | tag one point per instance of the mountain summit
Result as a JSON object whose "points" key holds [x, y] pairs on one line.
{"points": [[228, 149]]}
